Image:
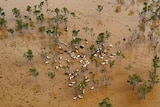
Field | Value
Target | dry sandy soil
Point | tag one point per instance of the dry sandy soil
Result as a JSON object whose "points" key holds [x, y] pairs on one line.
{"points": [[20, 89]]}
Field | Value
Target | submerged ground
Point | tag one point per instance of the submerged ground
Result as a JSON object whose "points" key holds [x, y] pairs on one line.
{"points": [[20, 89]]}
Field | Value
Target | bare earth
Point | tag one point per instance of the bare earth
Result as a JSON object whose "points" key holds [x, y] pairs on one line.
{"points": [[20, 89]]}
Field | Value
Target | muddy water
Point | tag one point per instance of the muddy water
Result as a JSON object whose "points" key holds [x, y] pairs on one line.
{"points": [[117, 23]]}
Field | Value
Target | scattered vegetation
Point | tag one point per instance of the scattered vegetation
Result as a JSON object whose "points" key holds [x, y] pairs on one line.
{"points": [[100, 52], [134, 80], [51, 75], [129, 67], [105, 103], [99, 8], [34, 72], [28, 55]]}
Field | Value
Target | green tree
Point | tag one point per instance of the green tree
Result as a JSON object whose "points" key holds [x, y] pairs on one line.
{"points": [[2, 13], [99, 8], [16, 12], [107, 35], [57, 11], [92, 49], [31, 23], [142, 91], [150, 14], [11, 31], [105, 103], [28, 55], [3, 23], [40, 18], [134, 80], [128, 67], [100, 39], [25, 26], [42, 29], [46, 1], [27, 18], [156, 61], [36, 12], [65, 10], [1, 9], [40, 5], [43, 54], [49, 33], [154, 78], [65, 20], [20, 25], [75, 41], [73, 14], [51, 75], [34, 72], [29, 9], [75, 32], [120, 56], [111, 63]]}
